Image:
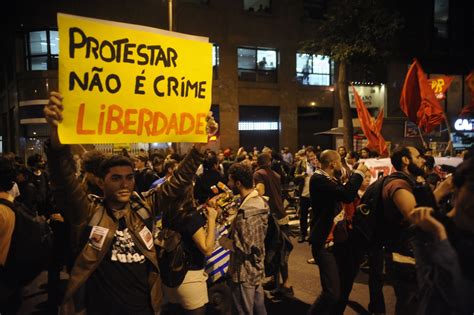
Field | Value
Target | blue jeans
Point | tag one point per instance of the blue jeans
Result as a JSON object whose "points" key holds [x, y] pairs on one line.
{"points": [[247, 299]]}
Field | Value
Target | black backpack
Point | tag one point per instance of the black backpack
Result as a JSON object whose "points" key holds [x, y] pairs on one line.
{"points": [[369, 223], [31, 246], [172, 257]]}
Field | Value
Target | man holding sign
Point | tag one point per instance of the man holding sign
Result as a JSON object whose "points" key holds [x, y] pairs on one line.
{"points": [[116, 271]]}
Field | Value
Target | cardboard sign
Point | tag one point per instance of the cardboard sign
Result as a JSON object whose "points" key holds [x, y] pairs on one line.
{"points": [[128, 83]]}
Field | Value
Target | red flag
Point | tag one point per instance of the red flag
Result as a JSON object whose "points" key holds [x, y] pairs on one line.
{"points": [[440, 85], [467, 110], [379, 120], [470, 81], [370, 128], [418, 101]]}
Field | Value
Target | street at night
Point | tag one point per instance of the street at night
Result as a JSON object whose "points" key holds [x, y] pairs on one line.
{"points": [[237, 157]]}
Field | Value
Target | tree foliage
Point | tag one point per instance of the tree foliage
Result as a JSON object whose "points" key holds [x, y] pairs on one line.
{"points": [[353, 30]]}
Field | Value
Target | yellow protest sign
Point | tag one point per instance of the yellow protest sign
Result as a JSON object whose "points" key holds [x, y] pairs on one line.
{"points": [[129, 83]]}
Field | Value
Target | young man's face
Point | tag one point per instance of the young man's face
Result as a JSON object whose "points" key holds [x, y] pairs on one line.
{"points": [[342, 152], [349, 159], [139, 163], [232, 185], [312, 158], [221, 157], [337, 163], [118, 185]]}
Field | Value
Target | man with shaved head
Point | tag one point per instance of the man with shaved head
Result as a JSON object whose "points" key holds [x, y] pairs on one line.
{"points": [[329, 247]]}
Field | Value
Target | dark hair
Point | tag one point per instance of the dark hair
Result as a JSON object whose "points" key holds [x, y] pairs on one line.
{"points": [[264, 159], [34, 160], [114, 160], [430, 161], [8, 173], [91, 161], [175, 156], [353, 155], [469, 154], [464, 174], [397, 156], [22, 169], [210, 162], [310, 149], [365, 149], [242, 173], [169, 163], [276, 156]]}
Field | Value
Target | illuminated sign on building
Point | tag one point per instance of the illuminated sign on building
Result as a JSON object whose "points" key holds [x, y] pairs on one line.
{"points": [[464, 124]]}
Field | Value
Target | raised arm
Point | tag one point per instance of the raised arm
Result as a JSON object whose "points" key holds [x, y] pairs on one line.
{"points": [[68, 193], [178, 184]]}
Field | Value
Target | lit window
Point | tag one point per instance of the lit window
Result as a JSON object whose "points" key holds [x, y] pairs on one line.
{"points": [[314, 70], [42, 50], [441, 18], [257, 64], [258, 6], [215, 61], [258, 125]]}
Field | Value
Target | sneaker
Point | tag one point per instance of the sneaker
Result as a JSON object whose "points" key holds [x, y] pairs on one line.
{"points": [[311, 261], [283, 292], [301, 239]]}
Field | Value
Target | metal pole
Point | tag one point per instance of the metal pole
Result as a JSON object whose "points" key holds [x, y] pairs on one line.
{"points": [[421, 137], [170, 15], [174, 145]]}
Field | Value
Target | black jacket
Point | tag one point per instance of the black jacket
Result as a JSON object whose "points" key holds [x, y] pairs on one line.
{"points": [[326, 197]]}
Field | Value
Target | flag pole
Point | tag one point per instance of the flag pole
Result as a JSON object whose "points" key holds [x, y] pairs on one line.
{"points": [[421, 137], [450, 142]]}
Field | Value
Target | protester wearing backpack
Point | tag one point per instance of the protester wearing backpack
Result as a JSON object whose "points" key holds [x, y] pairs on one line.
{"points": [[399, 197], [7, 224], [25, 243], [333, 255], [117, 269]]}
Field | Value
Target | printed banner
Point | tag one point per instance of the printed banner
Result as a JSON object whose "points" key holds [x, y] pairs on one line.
{"points": [[126, 83], [383, 167]]}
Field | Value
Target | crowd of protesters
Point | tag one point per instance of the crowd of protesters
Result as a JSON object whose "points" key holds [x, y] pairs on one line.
{"points": [[102, 210]]}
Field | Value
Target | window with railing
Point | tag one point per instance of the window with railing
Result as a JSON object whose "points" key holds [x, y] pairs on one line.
{"points": [[314, 70], [257, 64], [42, 50]]}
